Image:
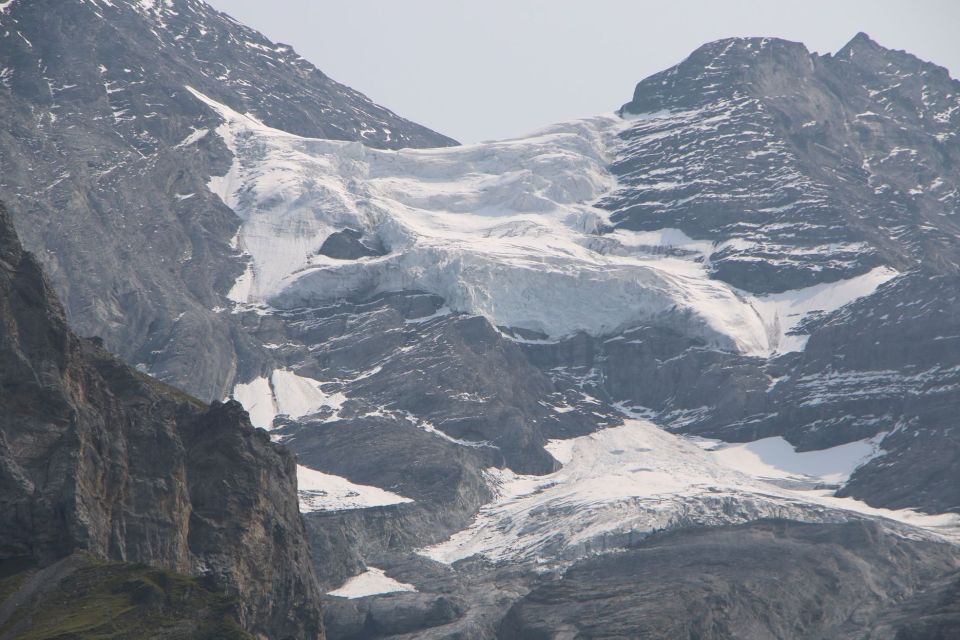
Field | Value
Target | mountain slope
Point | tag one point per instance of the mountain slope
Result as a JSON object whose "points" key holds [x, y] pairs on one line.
{"points": [[105, 153], [785, 312], [98, 459], [811, 170], [85, 599], [820, 167]]}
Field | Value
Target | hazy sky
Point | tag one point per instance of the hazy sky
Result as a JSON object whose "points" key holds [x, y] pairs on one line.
{"points": [[489, 69]]}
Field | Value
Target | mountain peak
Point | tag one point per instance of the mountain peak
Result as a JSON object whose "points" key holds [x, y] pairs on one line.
{"points": [[859, 43], [727, 66], [740, 47]]}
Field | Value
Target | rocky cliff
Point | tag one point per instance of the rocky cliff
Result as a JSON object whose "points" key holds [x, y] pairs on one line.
{"points": [[97, 458]]}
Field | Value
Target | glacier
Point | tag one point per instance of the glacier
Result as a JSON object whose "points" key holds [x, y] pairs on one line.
{"points": [[620, 484], [508, 230], [503, 229]]}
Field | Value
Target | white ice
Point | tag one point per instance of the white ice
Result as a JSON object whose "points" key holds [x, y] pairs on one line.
{"points": [[320, 491], [369, 583], [502, 229], [624, 482]]}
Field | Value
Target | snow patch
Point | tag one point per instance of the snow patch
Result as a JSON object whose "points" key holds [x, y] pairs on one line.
{"points": [[298, 396], [783, 312], [257, 398], [320, 491], [194, 136], [776, 458], [284, 393], [240, 291], [369, 583]]}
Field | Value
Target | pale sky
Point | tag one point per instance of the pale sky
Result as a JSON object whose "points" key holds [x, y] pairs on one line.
{"points": [[490, 69]]}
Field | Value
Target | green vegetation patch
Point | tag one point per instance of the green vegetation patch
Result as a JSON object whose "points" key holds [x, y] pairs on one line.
{"points": [[13, 574], [116, 601]]}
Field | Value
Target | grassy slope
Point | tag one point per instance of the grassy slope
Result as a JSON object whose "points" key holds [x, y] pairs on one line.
{"points": [[109, 600]]}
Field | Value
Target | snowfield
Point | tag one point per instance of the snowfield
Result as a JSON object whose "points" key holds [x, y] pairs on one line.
{"points": [[371, 582], [326, 492], [284, 393], [622, 483], [501, 229], [775, 458]]}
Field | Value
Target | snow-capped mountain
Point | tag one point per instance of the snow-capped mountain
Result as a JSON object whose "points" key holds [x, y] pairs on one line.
{"points": [[730, 302]]}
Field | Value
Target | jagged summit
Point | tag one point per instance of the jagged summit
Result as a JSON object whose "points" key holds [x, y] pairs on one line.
{"points": [[860, 42], [752, 65], [835, 120], [749, 45], [723, 68]]}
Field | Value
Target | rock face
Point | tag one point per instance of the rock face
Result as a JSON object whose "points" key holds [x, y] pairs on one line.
{"points": [[810, 162], [771, 579], [97, 458], [348, 245], [106, 154]]}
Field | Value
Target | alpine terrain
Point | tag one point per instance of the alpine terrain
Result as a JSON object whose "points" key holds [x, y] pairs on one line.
{"points": [[686, 369]]}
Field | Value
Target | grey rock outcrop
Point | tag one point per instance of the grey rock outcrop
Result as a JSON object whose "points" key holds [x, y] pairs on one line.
{"points": [[772, 579], [820, 166], [348, 245], [95, 457]]}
